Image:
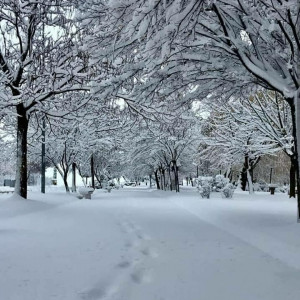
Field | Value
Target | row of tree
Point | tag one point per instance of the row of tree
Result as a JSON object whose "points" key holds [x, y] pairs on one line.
{"points": [[76, 60]]}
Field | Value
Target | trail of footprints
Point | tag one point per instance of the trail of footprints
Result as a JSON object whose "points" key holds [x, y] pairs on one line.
{"points": [[138, 244], [132, 266]]}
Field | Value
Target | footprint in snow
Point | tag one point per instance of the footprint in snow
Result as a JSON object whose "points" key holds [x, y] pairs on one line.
{"points": [[124, 264], [98, 293], [149, 252], [143, 236], [140, 275]]}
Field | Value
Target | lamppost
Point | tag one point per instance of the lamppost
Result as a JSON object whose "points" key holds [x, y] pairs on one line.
{"points": [[43, 164], [271, 171], [271, 186]]}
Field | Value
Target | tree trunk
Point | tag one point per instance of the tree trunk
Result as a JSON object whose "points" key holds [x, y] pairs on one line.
{"points": [[295, 112], [177, 179], [249, 180], [161, 179], [175, 170], [150, 181], [164, 178], [21, 171], [247, 174], [170, 178], [191, 179], [157, 179], [98, 179], [244, 174], [292, 191], [73, 177], [92, 171], [65, 179]]}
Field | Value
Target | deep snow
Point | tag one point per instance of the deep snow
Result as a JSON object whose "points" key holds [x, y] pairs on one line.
{"points": [[141, 244]]}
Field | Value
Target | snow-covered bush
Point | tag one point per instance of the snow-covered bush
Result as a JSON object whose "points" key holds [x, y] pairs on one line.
{"points": [[110, 185], [108, 189], [205, 190], [220, 182], [204, 185], [201, 180], [283, 189], [260, 186], [228, 190]]}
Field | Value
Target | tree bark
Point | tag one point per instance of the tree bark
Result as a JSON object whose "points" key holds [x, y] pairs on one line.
{"points": [[170, 178], [292, 191], [21, 171], [175, 170], [65, 178], [162, 186], [244, 174], [157, 179], [164, 178], [98, 179], [249, 180], [64, 174], [177, 179], [92, 171], [73, 177]]}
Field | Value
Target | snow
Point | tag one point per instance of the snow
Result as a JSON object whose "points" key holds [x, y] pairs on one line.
{"points": [[143, 244]]}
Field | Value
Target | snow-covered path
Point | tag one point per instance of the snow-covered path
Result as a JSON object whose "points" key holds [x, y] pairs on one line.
{"points": [[134, 244]]}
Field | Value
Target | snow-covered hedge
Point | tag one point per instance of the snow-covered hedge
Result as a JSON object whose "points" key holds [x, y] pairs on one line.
{"points": [[205, 191], [205, 186], [260, 186], [205, 180], [220, 182], [228, 190]]}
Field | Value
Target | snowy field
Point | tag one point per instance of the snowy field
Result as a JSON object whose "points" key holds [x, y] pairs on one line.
{"points": [[138, 244]]}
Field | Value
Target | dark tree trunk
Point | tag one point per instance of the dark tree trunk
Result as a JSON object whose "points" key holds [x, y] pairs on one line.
{"points": [[292, 191], [163, 178], [150, 181], [175, 170], [170, 178], [295, 150], [191, 179], [247, 173], [21, 171], [73, 177], [230, 176], [92, 171], [98, 179], [157, 179], [177, 179], [162, 186], [65, 178], [244, 174]]}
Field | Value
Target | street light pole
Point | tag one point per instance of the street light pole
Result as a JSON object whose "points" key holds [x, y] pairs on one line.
{"points": [[43, 165], [271, 175]]}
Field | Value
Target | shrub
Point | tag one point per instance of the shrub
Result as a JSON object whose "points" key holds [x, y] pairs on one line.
{"points": [[220, 182], [204, 190], [228, 190]]}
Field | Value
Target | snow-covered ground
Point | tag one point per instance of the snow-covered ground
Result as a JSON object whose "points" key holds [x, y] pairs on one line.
{"points": [[141, 244]]}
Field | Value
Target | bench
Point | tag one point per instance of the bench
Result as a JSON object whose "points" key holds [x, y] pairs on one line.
{"points": [[86, 192]]}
